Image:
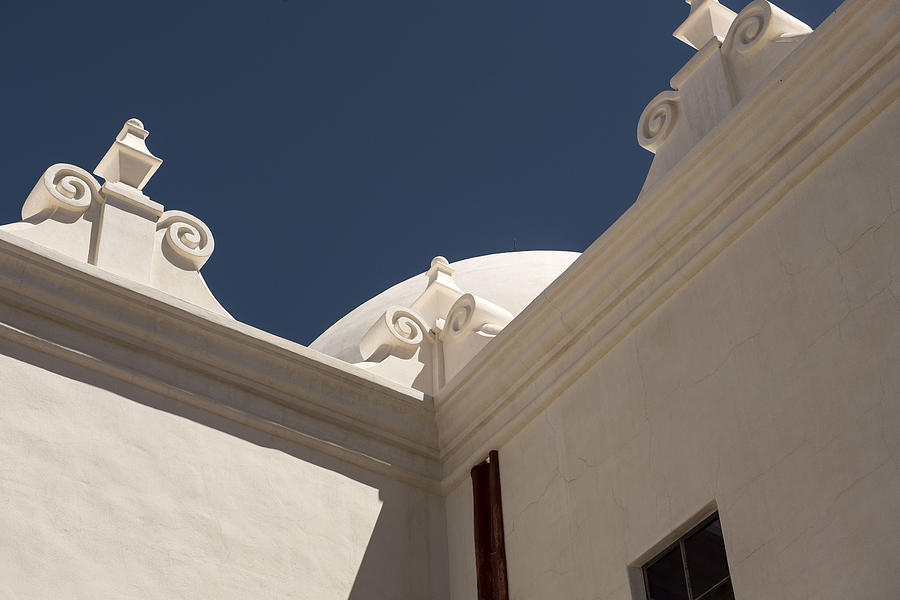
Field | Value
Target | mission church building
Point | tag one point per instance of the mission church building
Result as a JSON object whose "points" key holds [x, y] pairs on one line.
{"points": [[705, 404]]}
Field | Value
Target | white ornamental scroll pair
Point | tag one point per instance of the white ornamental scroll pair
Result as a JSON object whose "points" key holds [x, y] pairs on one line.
{"points": [[115, 226], [425, 345], [735, 54], [401, 330], [66, 192]]}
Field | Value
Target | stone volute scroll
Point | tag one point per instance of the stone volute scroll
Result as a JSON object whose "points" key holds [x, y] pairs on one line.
{"points": [[426, 344], [115, 226], [62, 211], [760, 38], [735, 54], [64, 191], [188, 242], [659, 120]]}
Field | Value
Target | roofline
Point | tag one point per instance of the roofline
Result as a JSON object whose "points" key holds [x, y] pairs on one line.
{"points": [[136, 334], [725, 184]]}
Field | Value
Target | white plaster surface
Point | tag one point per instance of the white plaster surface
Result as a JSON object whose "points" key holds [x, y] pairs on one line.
{"points": [[461, 542], [108, 492]]}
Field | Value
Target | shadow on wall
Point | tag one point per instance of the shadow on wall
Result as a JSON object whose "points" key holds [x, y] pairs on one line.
{"points": [[405, 557]]}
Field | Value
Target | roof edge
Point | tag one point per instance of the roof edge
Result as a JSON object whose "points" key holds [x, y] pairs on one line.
{"points": [[106, 323]]}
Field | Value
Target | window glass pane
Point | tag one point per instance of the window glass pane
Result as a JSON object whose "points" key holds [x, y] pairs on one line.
{"points": [[665, 577], [723, 592], [705, 551]]}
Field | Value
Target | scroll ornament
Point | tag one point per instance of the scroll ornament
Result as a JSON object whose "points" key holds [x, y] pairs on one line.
{"points": [[115, 227], [427, 343], [459, 316], [187, 238], [759, 23], [658, 120], [748, 28], [63, 190], [399, 329], [406, 325]]}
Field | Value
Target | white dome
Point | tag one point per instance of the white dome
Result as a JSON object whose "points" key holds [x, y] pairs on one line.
{"points": [[510, 279]]}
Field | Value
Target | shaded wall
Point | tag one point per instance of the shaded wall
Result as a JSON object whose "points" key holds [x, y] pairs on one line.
{"points": [[108, 491], [768, 387]]}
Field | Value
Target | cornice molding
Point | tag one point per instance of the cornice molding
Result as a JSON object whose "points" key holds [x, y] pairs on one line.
{"points": [[806, 110], [135, 334]]}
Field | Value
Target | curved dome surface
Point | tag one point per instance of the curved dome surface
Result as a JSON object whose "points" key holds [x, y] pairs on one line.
{"points": [[509, 279]]}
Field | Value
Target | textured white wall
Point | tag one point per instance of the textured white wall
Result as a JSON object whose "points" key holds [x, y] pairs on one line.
{"points": [[769, 384], [461, 542], [105, 493]]}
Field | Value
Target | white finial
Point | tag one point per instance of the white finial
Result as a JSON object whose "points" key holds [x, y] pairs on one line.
{"points": [[708, 20], [128, 160], [441, 269]]}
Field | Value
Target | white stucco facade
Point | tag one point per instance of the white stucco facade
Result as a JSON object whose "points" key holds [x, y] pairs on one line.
{"points": [[731, 344]]}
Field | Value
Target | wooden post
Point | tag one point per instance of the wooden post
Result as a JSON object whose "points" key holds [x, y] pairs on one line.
{"points": [[490, 547]]}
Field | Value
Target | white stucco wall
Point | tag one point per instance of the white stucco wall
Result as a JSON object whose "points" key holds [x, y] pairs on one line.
{"points": [[461, 542], [768, 385], [109, 492]]}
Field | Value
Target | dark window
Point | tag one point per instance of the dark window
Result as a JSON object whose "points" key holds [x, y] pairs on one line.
{"points": [[693, 568]]}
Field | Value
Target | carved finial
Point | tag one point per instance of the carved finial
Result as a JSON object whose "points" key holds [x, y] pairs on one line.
{"points": [[708, 20], [440, 266], [115, 227], [128, 160], [425, 344]]}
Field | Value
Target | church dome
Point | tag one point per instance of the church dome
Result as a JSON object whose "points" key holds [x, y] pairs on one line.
{"points": [[509, 279]]}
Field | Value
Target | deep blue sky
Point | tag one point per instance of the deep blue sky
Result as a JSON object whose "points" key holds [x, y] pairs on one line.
{"points": [[334, 147]]}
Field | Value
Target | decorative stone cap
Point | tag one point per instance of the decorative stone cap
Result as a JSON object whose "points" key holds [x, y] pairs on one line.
{"points": [[128, 160], [117, 228], [735, 56], [424, 345], [708, 20], [440, 269]]}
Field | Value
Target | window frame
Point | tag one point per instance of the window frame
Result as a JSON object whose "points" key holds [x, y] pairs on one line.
{"points": [[679, 543]]}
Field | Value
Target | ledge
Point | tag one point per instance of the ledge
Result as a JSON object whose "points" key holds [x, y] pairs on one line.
{"points": [[728, 181], [107, 324]]}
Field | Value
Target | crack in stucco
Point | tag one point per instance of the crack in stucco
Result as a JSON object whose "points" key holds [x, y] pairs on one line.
{"points": [[728, 356]]}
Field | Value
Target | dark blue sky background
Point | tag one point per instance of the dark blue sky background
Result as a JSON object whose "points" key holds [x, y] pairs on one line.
{"points": [[335, 147]]}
